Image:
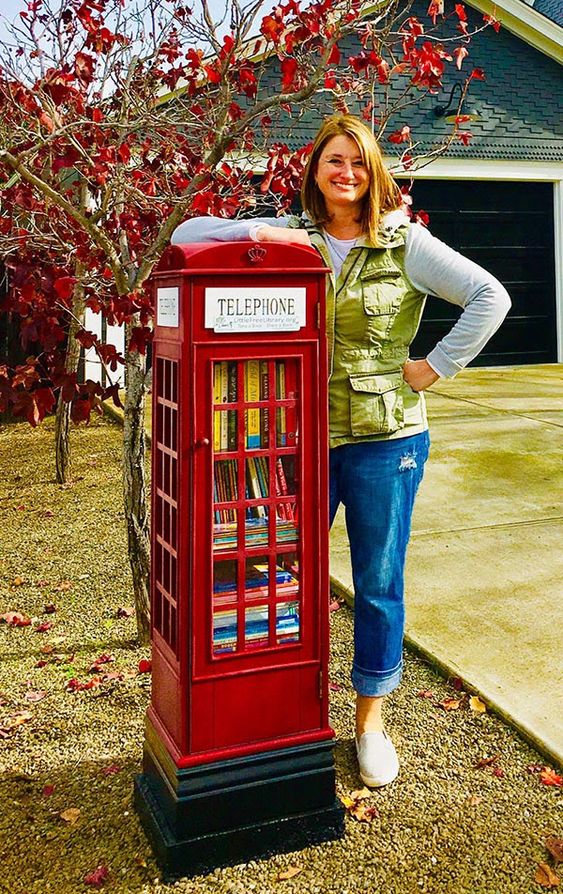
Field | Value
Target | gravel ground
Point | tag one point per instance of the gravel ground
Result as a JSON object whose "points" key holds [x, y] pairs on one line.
{"points": [[445, 827]]}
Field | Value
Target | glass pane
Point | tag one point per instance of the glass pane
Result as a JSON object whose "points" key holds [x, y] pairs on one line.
{"points": [[225, 423], [257, 478], [256, 578], [256, 626], [224, 607], [287, 622], [225, 490], [256, 526]]}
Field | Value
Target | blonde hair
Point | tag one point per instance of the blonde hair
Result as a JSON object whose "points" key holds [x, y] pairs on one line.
{"points": [[383, 193]]}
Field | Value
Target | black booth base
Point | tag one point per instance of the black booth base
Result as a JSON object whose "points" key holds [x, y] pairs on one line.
{"points": [[238, 810]]}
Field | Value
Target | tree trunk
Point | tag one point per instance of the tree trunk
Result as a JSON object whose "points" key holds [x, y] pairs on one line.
{"points": [[134, 490], [63, 466]]}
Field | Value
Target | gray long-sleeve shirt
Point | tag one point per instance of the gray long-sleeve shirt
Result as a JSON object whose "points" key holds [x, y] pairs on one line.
{"points": [[432, 267]]}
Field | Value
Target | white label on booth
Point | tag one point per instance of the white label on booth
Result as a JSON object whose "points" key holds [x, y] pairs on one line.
{"points": [[167, 303], [238, 309]]}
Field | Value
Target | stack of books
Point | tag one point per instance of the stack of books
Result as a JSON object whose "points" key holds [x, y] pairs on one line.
{"points": [[256, 614]]}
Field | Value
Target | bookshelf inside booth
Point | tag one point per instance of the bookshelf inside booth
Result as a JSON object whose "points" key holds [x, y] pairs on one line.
{"points": [[256, 544]]}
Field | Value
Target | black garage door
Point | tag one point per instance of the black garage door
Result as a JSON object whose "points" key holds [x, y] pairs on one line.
{"points": [[508, 229]]}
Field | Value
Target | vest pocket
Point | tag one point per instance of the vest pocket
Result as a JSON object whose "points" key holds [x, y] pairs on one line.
{"points": [[376, 404], [381, 295]]}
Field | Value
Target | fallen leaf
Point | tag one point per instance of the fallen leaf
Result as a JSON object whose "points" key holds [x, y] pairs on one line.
{"points": [[550, 777], [15, 619], [97, 878], [457, 683], [50, 608], [17, 582], [103, 659], [140, 860], [334, 605], [16, 720], [477, 705], [48, 513], [125, 612], [35, 695], [144, 666], [74, 685], [425, 693], [555, 848], [289, 873], [334, 687], [486, 761], [360, 794], [41, 663], [546, 877], [48, 790], [41, 583], [64, 585], [44, 627], [498, 772], [363, 813], [474, 800], [109, 771], [47, 649], [449, 704], [70, 815], [347, 801]]}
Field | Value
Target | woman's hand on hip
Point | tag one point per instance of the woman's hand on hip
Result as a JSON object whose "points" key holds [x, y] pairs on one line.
{"points": [[419, 374], [267, 233]]}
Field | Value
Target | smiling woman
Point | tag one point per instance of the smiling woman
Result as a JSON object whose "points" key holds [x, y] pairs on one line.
{"points": [[382, 268]]}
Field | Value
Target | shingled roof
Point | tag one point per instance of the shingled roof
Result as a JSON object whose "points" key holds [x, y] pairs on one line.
{"points": [[520, 104], [552, 9]]}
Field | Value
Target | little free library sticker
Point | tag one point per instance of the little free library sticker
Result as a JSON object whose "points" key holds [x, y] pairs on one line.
{"points": [[167, 303], [238, 309]]}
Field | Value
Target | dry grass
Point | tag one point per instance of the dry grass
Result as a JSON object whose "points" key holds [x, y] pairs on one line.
{"points": [[443, 828]]}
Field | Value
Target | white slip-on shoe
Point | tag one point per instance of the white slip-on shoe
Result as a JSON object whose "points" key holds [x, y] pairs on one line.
{"points": [[379, 764]]}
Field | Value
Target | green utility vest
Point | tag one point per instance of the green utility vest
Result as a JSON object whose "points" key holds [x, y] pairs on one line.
{"points": [[373, 314]]}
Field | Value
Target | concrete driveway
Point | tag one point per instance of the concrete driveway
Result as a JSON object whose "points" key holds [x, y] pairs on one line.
{"points": [[485, 566]]}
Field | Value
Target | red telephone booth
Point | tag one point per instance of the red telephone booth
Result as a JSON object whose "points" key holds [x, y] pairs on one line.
{"points": [[238, 749]]}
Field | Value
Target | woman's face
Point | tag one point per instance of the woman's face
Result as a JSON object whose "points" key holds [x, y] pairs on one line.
{"points": [[341, 174]]}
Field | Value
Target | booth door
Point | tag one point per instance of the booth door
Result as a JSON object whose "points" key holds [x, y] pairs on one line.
{"points": [[258, 542]]}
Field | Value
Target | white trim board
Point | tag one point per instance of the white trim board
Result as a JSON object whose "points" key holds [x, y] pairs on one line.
{"points": [[484, 169]]}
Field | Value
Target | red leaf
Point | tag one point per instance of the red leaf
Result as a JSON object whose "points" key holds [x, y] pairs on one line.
{"points": [[44, 627], [144, 666], [15, 619], [335, 687], [334, 58], [425, 693], [50, 608], [490, 20], [289, 69], [477, 74], [422, 217], [400, 136], [64, 286], [550, 777], [334, 605], [464, 136], [460, 12], [97, 878], [48, 790], [111, 770]]}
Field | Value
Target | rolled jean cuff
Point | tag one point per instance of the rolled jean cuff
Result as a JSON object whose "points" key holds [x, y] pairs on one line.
{"points": [[376, 683]]}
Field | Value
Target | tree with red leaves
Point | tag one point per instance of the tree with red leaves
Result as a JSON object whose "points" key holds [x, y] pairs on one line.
{"points": [[119, 119]]}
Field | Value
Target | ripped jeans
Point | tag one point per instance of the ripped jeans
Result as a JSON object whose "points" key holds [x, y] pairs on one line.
{"points": [[377, 482]]}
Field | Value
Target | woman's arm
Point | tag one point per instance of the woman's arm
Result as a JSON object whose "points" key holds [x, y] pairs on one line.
{"points": [[435, 268], [218, 229]]}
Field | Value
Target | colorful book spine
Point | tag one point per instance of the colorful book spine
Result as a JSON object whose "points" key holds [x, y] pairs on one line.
{"points": [[252, 395]]}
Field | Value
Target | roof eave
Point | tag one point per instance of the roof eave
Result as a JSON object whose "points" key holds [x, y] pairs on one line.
{"points": [[527, 23]]}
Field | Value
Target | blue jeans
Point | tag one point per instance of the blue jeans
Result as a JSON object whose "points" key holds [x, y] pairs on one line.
{"points": [[377, 482]]}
